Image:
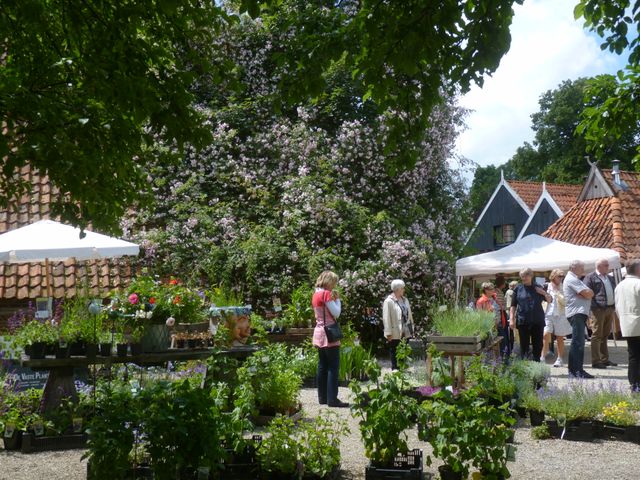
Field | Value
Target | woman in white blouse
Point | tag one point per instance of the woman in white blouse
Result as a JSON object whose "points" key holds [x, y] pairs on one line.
{"points": [[555, 320], [397, 319]]}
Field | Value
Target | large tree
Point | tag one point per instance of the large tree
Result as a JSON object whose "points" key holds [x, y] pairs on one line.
{"points": [[86, 86], [558, 151], [618, 117], [278, 197]]}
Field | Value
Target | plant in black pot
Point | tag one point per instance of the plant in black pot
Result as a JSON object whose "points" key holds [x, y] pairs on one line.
{"points": [[104, 345], [135, 339], [13, 423], [269, 384], [279, 453], [385, 414], [112, 433], [121, 345], [37, 335], [444, 423], [320, 455], [183, 428], [532, 403], [310, 450], [490, 433]]}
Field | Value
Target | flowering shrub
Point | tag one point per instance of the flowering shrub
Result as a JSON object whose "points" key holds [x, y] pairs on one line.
{"points": [[277, 198], [619, 413]]}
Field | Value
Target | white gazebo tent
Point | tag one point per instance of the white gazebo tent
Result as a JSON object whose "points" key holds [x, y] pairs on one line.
{"points": [[538, 253], [46, 240]]}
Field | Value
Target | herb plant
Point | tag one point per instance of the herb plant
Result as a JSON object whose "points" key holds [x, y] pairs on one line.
{"points": [[460, 322]]}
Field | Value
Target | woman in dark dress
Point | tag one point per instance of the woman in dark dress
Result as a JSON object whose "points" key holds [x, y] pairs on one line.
{"points": [[527, 314]]}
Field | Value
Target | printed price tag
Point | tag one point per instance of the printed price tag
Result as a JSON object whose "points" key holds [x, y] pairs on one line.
{"points": [[511, 453], [9, 428], [277, 304], [38, 429], [77, 425]]}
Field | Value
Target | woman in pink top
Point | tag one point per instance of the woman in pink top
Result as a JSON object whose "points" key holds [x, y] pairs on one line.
{"points": [[326, 305]]}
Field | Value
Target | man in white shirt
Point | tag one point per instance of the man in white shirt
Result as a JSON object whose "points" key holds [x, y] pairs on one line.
{"points": [[603, 310], [628, 308], [577, 305]]}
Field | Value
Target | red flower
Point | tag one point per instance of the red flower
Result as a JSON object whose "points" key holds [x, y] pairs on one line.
{"points": [[173, 281], [152, 300], [176, 299]]}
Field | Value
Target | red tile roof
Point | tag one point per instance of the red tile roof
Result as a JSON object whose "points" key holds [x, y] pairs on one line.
{"points": [[529, 192], [564, 195], [609, 222], [27, 280]]}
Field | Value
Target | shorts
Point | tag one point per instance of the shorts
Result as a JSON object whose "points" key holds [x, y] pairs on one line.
{"points": [[557, 325]]}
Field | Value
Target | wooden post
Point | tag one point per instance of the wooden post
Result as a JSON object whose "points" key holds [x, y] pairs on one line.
{"points": [[47, 277]]}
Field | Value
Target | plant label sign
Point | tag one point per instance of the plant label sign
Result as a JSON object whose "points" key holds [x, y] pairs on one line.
{"points": [[9, 428], [26, 378]]}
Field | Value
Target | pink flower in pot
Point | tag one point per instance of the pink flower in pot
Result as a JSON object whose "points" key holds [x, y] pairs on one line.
{"points": [[133, 298]]}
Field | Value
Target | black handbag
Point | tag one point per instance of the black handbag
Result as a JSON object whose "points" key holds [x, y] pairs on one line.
{"points": [[333, 331]]}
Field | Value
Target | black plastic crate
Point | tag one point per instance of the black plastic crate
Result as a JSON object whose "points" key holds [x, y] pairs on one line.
{"points": [[32, 443], [407, 466]]}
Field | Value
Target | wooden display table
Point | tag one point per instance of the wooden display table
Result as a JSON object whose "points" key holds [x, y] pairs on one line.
{"points": [[457, 374], [60, 384]]}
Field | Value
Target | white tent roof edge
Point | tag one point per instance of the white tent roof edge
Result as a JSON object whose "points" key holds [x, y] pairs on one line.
{"points": [[536, 252]]}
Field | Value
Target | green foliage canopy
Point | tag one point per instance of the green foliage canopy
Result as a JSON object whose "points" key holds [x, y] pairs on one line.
{"points": [[85, 87], [617, 22]]}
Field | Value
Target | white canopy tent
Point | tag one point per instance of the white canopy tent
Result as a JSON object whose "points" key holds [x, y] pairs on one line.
{"points": [[47, 240], [538, 253]]}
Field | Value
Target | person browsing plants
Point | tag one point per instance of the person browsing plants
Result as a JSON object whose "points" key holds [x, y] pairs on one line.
{"points": [[488, 302], [397, 319], [327, 306], [527, 302], [577, 305]]}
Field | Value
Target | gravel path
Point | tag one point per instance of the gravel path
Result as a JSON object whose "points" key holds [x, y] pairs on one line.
{"points": [[535, 460]]}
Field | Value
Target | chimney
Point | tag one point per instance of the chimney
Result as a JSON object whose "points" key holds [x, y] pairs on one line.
{"points": [[615, 170]]}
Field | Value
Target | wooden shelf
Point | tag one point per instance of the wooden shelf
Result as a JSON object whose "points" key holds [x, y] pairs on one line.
{"points": [[143, 359]]}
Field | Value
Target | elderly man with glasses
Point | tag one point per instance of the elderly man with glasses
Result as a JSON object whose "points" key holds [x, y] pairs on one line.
{"points": [[603, 308]]}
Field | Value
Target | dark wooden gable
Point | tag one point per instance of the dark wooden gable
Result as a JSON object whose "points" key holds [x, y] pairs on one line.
{"points": [[503, 210], [543, 218]]}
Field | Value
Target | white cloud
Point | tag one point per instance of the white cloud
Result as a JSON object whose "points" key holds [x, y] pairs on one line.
{"points": [[547, 47]]}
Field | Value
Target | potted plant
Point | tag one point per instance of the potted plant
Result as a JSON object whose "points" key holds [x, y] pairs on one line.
{"points": [[621, 421], [36, 335], [279, 452], [445, 423], [489, 434], [121, 345], [182, 427], [104, 347], [385, 414], [112, 433], [533, 405], [298, 316], [135, 340], [268, 385], [310, 450], [461, 330], [14, 423]]}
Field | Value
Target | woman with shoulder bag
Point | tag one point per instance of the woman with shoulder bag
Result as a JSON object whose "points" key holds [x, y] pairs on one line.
{"points": [[326, 338], [397, 319]]}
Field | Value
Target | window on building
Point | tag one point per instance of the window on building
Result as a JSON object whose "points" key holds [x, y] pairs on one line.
{"points": [[504, 234]]}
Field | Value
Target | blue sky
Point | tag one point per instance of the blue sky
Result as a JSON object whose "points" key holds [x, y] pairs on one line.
{"points": [[547, 47]]}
